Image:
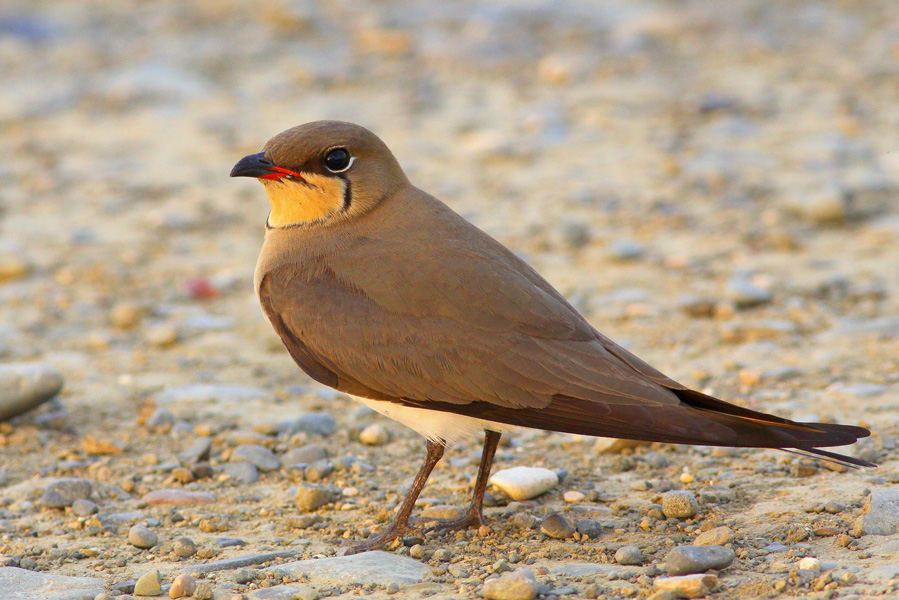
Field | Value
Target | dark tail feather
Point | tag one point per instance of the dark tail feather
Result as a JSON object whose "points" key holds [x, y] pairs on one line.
{"points": [[840, 459]]}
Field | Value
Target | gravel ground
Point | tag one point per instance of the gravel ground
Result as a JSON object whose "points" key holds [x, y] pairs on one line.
{"points": [[713, 186]]}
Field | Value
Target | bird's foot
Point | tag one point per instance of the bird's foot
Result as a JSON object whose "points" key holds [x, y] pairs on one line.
{"points": [[471, 518], [381, 540]]}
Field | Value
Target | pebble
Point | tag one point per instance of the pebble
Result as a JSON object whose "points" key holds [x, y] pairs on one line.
{"points": [[557, 526], [161, 336], [243, 471], [684, 560], [524, 483], [84, 508], [719, 536], [25, 386], [12, 268], [162, 418], [688, 586], [589, 527], [629, 555], [184, 547], [310, 496], [880, 515], [304, 455], [746, 294], [374, 435], [183, 586], [236, 562], [176, 497], [198, 451], [319, 470], [378, 568], [441, 511], [810, 563], [517, 585], [313, 423], [700, 307], [679, 504], [126, 315], [64, 492], [22, 584], [574, 496], [141, 536], [264, 459], [148, 584], [625, 250]]}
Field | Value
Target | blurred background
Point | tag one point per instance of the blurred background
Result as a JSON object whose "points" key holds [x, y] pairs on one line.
{"points": [[714, 184]]}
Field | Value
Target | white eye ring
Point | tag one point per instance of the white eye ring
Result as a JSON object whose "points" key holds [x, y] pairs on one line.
{"points": [[349, 163]]}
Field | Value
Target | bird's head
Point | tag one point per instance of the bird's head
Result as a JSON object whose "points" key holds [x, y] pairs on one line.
{"points": [[323, 171]]}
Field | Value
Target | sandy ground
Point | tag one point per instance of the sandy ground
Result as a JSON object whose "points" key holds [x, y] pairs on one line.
{"points": [[665, 165]]}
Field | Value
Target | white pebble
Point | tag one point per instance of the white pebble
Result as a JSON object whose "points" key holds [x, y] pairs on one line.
{"points": [[524, 483], [374, 435]]}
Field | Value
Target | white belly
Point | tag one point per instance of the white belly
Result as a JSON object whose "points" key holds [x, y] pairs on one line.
{"points": [[435, 425]]}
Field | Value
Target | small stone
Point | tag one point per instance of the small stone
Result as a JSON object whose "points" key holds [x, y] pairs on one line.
{"points": [[524, 483], [162, 418], [262, 457], [184, 547], [629, 555], [183, 586], [161, 336], [625, 250], [574, 496], [810, 563], [64, 492], [518, 585], [374, 435], [679, 504], [684, 560], [175, 497], [589, 527], [688, 586], [243, 576], [615, 445], [719, 536], [101, 446], [313, 423], [141, 536], [84, 508], [441, 511], [834, 507], [523, 521], [319, 470], [242, 471], [880, 515], [25, 386], [311, 496], [304, 455], [148, 584], [697, 306], [126, 315], [746, 294], [12, 268], [204, 591], [557, 526], [197, 452]]}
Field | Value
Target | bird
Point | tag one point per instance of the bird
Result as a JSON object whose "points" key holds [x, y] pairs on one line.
{"points": [[381, 291]]}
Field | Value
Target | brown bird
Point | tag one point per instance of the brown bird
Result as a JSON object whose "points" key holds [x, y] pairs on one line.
{"points": [[381, 291]]}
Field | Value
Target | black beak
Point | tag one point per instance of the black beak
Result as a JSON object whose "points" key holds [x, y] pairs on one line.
{"points": [[254, 165]]}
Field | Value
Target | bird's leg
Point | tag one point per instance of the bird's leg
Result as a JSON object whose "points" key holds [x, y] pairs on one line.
{"points": [[474, 516], [399, 526]]}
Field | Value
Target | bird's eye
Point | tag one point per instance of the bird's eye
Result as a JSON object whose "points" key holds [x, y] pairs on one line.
{"points": [[338, 160]]}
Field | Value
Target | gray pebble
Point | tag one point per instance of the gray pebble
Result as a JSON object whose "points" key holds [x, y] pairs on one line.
{"points": [[243, 575], [315, 423], [310, 496], [161, 418], [523, 520], [184, 547], [589, 527], [626, 250], [243, 471], [264, 459], [304, 455], [679, 504], [64, 492], [319, 470], [685, 560], [230, 542], [557, 526], [25, 386], [197, 452], [629, 555], [746, 294], [84, 508], [141, 536]]}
